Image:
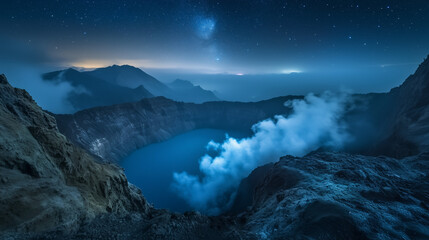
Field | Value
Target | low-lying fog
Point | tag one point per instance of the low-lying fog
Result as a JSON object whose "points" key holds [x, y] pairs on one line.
{"points": [[256, 87]]}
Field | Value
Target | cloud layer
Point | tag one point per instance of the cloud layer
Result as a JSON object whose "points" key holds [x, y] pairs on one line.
{"points": [[314, 123]]}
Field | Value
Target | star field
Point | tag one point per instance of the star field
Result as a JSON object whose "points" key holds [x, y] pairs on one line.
{"points": [[222, 36]]}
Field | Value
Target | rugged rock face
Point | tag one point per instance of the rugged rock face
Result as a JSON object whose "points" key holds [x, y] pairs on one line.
{"points": [[115, 131], [410, 126], [160, 224], [393, 124], [319, 196], [337, 196], [46, 182]]}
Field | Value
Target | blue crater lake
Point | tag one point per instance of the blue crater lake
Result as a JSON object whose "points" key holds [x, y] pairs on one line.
{"points": [[151, 168]]}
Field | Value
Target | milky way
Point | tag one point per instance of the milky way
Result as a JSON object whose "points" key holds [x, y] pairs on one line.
{"points": [[205, 27]]}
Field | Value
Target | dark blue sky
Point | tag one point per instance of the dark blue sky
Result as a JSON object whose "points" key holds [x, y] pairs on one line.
{"points": [[220, 37]]}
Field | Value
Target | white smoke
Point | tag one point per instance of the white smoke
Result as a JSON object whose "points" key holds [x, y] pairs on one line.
{"points": [[314, 123]]}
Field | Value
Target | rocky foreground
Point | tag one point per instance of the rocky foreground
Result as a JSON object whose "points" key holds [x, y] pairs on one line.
{"points": [[46, 182], [320, 196]]}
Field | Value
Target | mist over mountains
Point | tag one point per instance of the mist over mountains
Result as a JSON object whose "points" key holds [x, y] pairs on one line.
{"points": [[258, 87], [120, 84]]}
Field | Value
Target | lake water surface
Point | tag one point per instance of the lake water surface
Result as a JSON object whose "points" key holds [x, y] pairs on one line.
{"points": [[151, 168]]}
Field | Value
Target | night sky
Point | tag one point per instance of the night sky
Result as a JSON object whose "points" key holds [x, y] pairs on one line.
{"points": [[222, 37]]}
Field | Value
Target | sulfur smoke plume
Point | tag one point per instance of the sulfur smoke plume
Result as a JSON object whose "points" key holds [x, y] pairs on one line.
{"points": [[314, 123]]}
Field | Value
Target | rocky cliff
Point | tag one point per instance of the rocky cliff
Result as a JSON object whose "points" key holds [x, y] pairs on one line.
{"points": [[113, 132], [395, 123], [46, 182], [337, 196], [408, 131]]}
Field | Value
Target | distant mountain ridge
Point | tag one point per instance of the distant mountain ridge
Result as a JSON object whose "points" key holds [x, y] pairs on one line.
{"points": [[120, 84], [90, 91], [131, 77], [187, 92]]}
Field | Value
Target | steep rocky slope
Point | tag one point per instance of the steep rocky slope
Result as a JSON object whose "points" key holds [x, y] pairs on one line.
{"points": [[408, 133], [46, 182], [337, 196], [115, 131], [393, 124]]}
